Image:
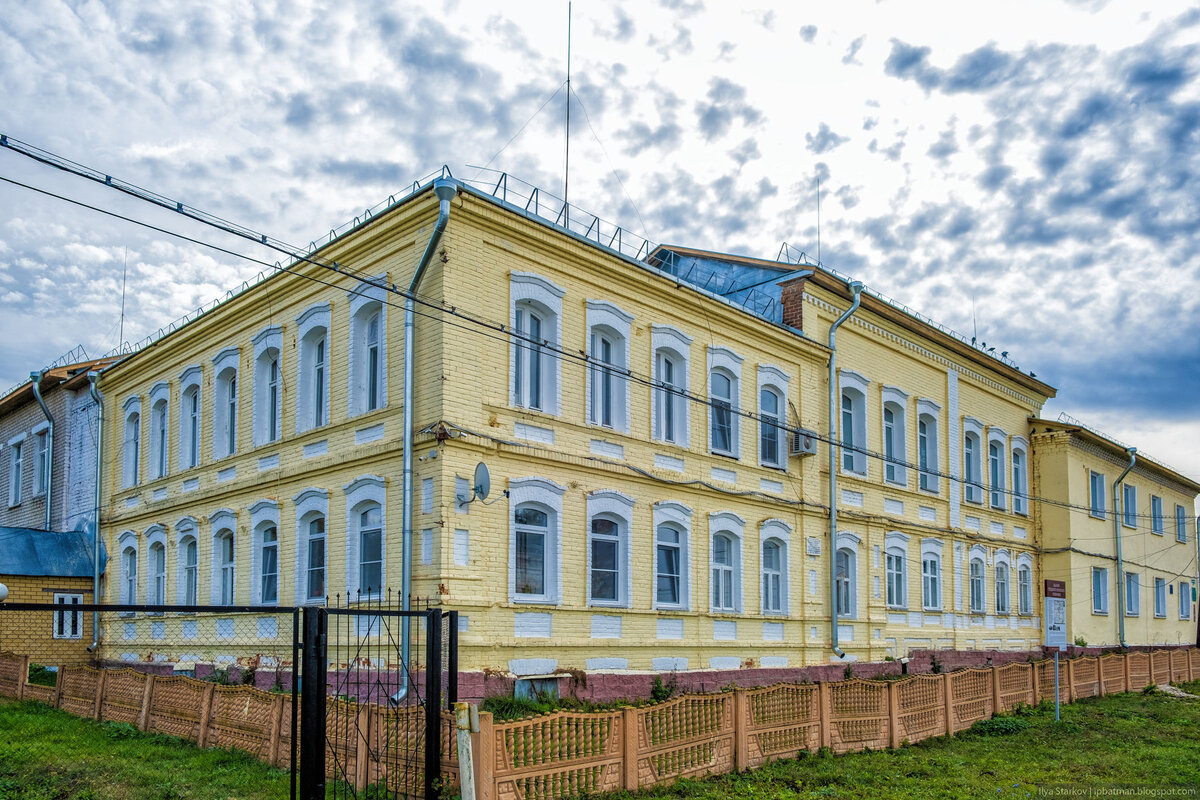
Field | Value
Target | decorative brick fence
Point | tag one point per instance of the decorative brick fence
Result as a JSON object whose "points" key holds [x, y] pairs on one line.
{"points": [[567, 754]]}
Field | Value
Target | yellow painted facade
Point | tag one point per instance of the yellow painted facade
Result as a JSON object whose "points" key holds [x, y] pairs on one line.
{"points": [[1158, 553], [570, 563]]}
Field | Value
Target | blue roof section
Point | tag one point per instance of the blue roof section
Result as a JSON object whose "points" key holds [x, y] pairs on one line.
{"points": [[755, 288], [26, 551]]}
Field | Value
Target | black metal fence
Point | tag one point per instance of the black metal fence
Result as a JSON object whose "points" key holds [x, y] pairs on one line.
{"points": [[352, 698]]}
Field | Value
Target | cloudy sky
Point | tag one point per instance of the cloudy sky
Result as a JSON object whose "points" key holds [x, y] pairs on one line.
{"points": [[1026, 170]]}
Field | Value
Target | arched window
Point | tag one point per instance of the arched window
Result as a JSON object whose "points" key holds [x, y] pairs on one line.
{"points": [[972, 474], [927, 452], [533, 541], [671, 405], [268, 591], [370, 550], [844, 581], [129, 574], [133, 443], [158, 575], [312, 369], [668, 562], [225, 403], [314, 558], [895, 446], [770, 413], [159, 439], [772, 576], [605, 554], [608, 355], [189, 418], [724, 570], [721, 402], [1020, 481], [976, 579], [1024, 589], [931, 581], [368, 346], [225, 565], [535, 313], [996, 468], [374, 363], [897, 577], [190, 566], [1002, 595]]}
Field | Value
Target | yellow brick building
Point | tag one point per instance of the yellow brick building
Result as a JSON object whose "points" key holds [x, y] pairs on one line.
{"points": [[1152, 591], [636, 412]]}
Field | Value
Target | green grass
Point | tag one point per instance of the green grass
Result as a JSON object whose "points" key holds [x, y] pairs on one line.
{"points": [[1124, 739], [46, 754]]}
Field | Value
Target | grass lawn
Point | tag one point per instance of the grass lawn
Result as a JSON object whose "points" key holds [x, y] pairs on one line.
{"points": [[1127, 739]]}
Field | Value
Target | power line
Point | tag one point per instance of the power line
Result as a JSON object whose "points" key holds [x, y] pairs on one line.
{"points": [[500, 331]]}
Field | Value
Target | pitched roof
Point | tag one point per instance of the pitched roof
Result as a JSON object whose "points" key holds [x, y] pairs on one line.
{"points": [[26, 551]]}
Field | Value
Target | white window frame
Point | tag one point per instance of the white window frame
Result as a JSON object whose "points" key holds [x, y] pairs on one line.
{"points": [[1002, 576], [155, 592], [1157, 520], [41, 453], [16, 466], [160, 430], [972, 462], [997, 470], [1160, 598], [1133, 594], [363, 493], [264, 516], [309, 504], [607, 387], [1100, 582], [190, 420], [1129, 505], [774, 380], [931, 552], [223, 522], [268, 388], [895, 554], [731, 526], [530, 292], [1180, 524], [676, 517], [848, 544], [127, 546], [852, 400], [1096, 502], [1019, 468], [131, 447], [778, 532], [929, 412], [895, 447], [68, 624], [187, 530], [1024, 584], [614, 506], [672, 345], [723, 361], [545, 495], [1185, 599], [313, 367], [977, 581], [226, 401], [368, 301]]}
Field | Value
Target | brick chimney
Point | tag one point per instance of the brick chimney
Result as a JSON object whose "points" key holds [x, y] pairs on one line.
{"points": [[792, 301]]}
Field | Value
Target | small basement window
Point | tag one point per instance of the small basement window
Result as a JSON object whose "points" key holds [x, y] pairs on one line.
{"points": [[536, 687]]}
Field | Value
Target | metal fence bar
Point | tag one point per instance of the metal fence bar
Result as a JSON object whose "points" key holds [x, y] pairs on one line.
{"points": [[313, 670], [433, 703]]}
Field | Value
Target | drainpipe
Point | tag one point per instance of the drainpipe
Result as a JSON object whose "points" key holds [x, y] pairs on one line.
{"points": [[445, 191], [1132, 453], [93, 378], [856, 288], [36, 379]]}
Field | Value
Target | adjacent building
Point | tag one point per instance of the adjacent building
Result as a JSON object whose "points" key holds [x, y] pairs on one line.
{"points": [[656, 422]]}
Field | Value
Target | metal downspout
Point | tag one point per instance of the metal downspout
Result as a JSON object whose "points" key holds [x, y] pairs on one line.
{"points": [[36, 379], [856, 288], [1132, 453], [445, 191], [98, 399]]}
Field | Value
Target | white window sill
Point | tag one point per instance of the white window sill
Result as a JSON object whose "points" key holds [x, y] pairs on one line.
{"points": [[1094, 515], [897, 484], [849, 473], [930, 492], [932, 609], [1096, 613], [897, 608], [999, 508], [777, 467], [534, 600], [1130, 527], [612, 604]]}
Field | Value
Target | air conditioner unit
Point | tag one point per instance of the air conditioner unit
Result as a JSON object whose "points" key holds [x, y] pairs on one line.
{"points": [[802, 443]]}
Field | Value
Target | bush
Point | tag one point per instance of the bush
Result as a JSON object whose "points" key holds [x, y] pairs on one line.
{"points": [[1080, 641], [661, 692], [42, 676], [999, 726]]}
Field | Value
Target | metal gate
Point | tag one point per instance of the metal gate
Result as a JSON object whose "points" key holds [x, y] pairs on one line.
{"points": [[376, 684]]}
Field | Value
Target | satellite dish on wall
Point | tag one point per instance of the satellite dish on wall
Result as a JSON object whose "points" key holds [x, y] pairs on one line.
{"points": [[483, 482]]}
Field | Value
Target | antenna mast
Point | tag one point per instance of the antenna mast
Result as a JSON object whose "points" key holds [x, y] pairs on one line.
{"points": [[818, 220], [124, 271], [567, 167]]}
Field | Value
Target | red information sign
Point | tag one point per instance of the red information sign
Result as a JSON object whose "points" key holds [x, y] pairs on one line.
{"points": [[1056, 588]]}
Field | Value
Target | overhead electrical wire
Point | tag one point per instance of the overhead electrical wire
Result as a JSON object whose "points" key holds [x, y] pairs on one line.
{"points": [[500, 331]]}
